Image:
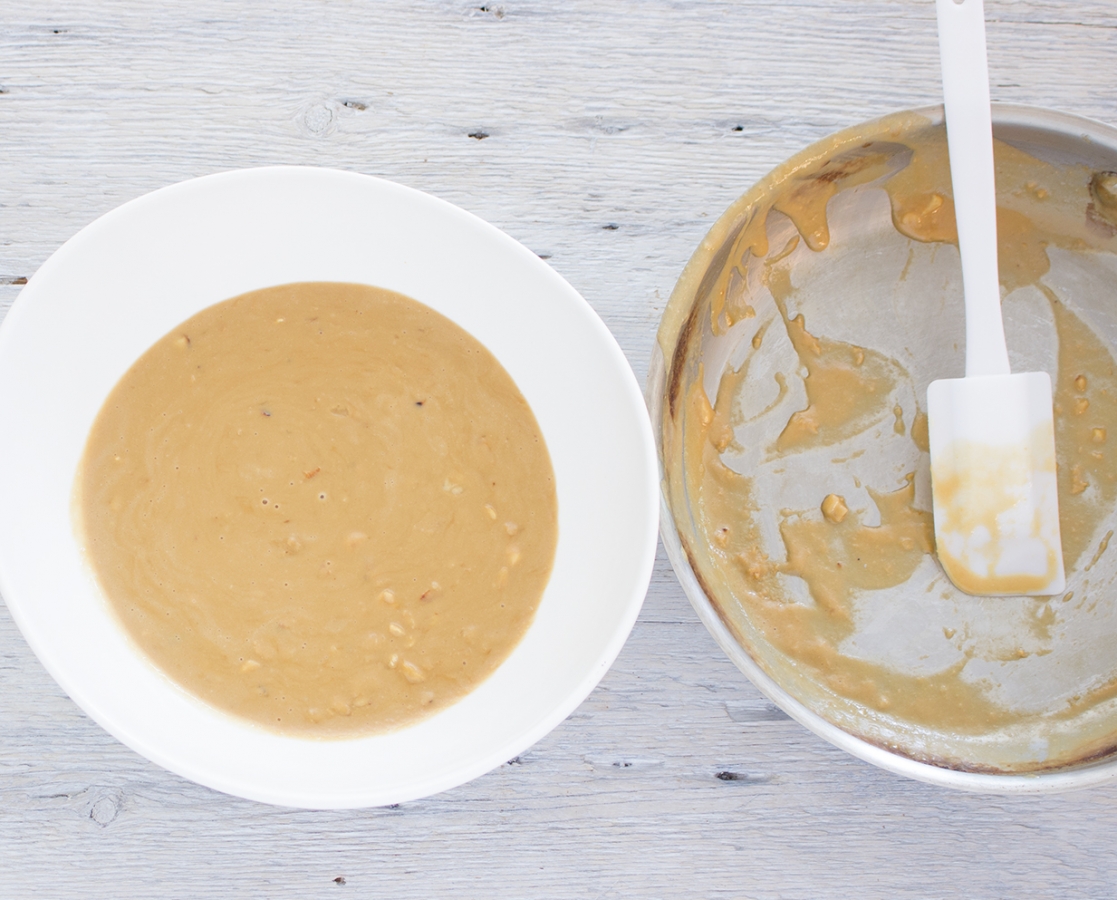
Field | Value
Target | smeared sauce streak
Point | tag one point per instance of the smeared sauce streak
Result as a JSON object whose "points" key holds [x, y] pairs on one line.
{"points": [[818, 551], [839, 556], [847, 386], [1085, 407]]}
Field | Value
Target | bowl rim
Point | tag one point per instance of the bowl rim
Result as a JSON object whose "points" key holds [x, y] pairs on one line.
{"points": [[1073, 777]]}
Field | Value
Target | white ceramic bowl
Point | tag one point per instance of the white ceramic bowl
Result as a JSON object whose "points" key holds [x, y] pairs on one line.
{"points": [[128, 278]]}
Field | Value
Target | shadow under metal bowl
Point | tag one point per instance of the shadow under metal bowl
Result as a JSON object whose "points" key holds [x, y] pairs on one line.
{"points": [[821, 257]]}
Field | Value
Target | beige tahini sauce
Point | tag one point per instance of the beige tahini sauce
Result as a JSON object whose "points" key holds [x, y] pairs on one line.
{"points": [[847, 386], [323, 507]]}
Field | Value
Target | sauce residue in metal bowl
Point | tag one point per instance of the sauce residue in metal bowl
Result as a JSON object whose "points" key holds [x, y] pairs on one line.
{"points": [[799, 343]]}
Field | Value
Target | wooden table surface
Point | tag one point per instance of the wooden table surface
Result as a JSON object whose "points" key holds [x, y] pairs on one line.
{"points": [[606, 136]]}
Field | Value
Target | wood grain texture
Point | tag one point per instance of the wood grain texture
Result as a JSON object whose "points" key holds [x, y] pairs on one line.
{"points": [[607, 137]]}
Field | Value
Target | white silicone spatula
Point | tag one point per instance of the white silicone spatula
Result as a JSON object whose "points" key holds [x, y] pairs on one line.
{"points": [[991, 433]]}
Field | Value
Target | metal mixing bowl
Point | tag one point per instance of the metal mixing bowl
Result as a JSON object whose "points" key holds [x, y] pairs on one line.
{"points": [[873, 287]]}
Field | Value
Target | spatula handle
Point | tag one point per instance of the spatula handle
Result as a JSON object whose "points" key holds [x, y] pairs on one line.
{"points": [[969, 131]]}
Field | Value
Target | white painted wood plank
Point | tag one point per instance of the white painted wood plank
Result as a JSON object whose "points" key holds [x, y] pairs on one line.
{"points": [[597, 115]]}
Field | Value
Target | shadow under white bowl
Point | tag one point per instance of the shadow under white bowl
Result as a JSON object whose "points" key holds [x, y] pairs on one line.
{"points": [[125, 280]]}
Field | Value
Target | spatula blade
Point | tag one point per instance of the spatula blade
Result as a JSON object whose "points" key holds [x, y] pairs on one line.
{"points": [[995, 495]]}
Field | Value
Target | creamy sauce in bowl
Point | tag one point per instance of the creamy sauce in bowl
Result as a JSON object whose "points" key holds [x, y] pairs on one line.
{"points": [[324, 508]]}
